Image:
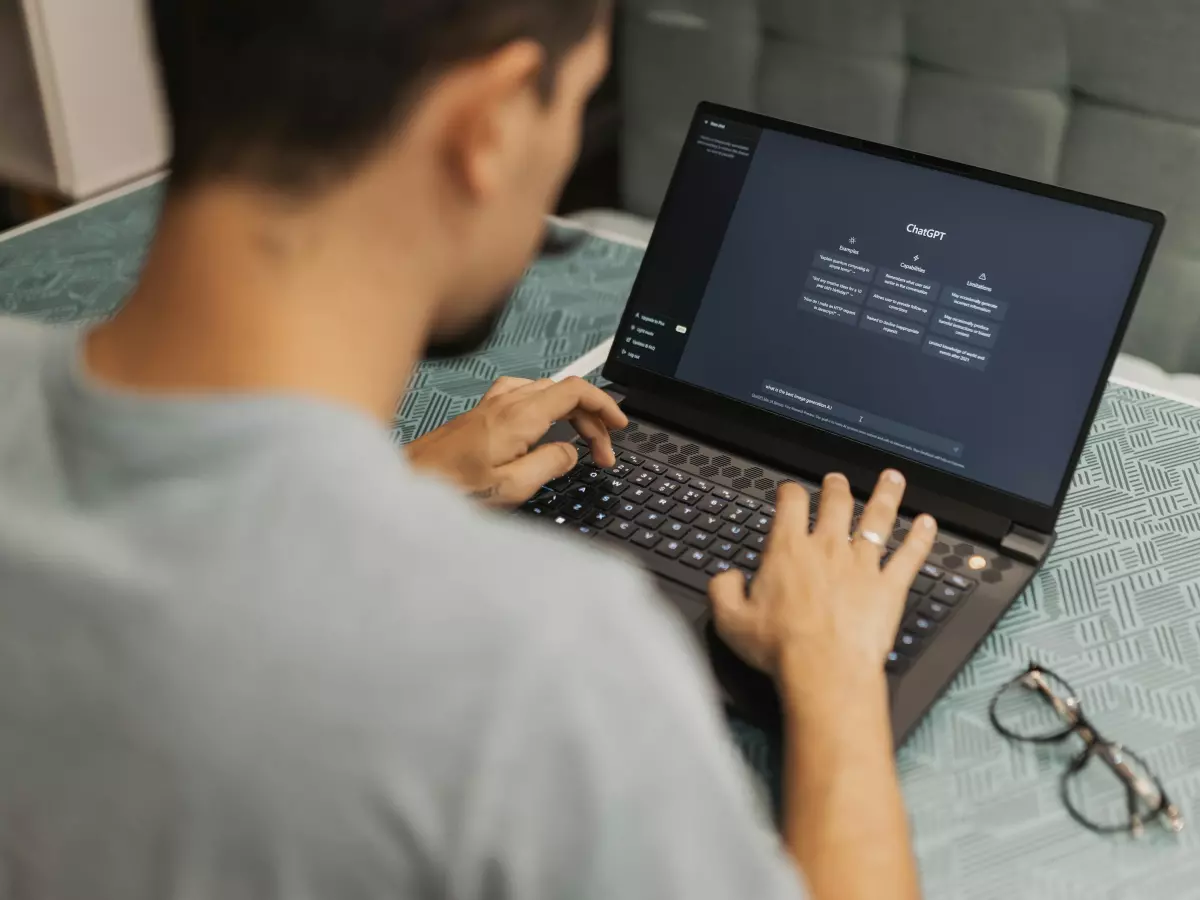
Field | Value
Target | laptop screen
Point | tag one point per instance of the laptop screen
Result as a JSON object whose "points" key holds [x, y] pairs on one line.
{"points": [[958, 323]]}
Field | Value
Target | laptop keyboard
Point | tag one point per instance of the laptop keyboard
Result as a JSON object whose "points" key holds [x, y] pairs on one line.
{"points": [[690, 529]]}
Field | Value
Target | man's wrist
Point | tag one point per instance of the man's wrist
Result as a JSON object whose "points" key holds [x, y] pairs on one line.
{"points": [[825, 692]]}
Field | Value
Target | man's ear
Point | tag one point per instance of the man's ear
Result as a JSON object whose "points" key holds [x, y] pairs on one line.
{"points": [[493, 104]]}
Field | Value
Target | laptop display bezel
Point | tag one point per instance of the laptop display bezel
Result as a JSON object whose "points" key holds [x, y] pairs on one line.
{"points": [[744, 420]]}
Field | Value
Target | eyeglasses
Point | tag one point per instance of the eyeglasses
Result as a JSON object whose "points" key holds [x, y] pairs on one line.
{"points": [[1106, 788]]}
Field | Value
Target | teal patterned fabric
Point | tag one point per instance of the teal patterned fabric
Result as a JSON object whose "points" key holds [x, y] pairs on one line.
{"points": [[1117, 611]]}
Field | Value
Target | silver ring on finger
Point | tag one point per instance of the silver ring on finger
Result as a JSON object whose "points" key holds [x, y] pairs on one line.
{"points": [[873, 538]]}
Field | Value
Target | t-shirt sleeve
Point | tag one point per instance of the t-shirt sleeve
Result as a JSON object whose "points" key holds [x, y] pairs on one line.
{"points": [[610, 773]]}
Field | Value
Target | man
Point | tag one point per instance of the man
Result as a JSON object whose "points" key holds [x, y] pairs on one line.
{"points": [[247, 650]]}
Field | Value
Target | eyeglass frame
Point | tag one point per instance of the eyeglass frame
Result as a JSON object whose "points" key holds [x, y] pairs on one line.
{"points": [[1150, 792]]}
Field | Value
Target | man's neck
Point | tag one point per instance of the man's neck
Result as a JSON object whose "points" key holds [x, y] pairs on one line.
{"points": [[243, 294]]}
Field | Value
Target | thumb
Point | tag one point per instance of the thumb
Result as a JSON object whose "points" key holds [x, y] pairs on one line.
{"points": [[520, 479], [730, 607]]}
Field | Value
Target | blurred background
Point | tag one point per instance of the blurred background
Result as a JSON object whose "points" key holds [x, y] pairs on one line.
{"points": [[1098, 95]]}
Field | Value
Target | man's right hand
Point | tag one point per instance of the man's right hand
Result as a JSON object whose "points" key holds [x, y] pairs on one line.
{"points": [[821, 616], [822, 606]]}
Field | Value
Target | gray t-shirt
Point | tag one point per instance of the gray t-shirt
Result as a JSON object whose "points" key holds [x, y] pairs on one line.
{"points": [[245, 652]]}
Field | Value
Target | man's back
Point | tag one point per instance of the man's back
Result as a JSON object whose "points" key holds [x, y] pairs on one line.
{"points": [[245, 651]]}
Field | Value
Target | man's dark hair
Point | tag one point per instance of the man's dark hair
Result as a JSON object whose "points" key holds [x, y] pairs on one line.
{"points": [[292, 93]]}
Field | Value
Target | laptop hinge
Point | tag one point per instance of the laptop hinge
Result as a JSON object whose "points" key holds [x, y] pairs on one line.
{"points": [[1027, 545]]}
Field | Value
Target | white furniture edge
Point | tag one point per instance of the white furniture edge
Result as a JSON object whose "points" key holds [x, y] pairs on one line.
{"points": [[98, 91], [99, 200]]}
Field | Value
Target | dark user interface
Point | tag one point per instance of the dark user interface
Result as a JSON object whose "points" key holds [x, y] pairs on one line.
{"points": [[959, 324]]}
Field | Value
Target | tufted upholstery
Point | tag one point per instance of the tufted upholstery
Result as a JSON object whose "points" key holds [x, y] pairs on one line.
{"points": [[1098, 95]]}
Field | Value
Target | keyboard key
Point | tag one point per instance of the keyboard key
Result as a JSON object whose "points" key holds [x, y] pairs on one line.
{"points": [[719, 567], [623, 529], [732, 532], [637, 495], [922, 585], [576, 511], [897, 663], [580, 492], [749, 503], [671, 549], [627, 510], [724, 549], [921, 626], [616, 486], [708, 522], [697, 559], [666, 487], [768, 510], [909, 644], [760, 523], [713, 505], [607, 501], [632, 458], [933, 609], [700, 539], [621, 470], [644, 479], [600, 520], [537, 507], [676, 475], [749, 559], [685, 513], [647, 538], [931, 571], [650, 519], [661, 504], [958, 581], [656, 467], [755, 541], [943, 593], [593, 476], [725, 494], [558, 485], [737, 514], [674, 529], [563, 522], [701, 485], [692, 496], [587, 531]]}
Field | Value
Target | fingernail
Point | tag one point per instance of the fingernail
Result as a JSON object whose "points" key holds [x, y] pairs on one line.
{"points": [[834, 478], [893, 476], [927, 523]]}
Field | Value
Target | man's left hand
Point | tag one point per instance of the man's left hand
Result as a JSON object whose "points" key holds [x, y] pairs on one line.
{"points": [[487, 451]]}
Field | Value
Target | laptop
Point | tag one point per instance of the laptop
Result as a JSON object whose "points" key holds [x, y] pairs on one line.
{"points": [[811, 302]]}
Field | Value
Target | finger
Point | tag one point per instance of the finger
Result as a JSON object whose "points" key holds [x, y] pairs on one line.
{"points": [[505, 385], [837, 509], [521, 479], [791, 517], [592, 430], [568, 398], [730, 603], [906, 562], [879, 518]]}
